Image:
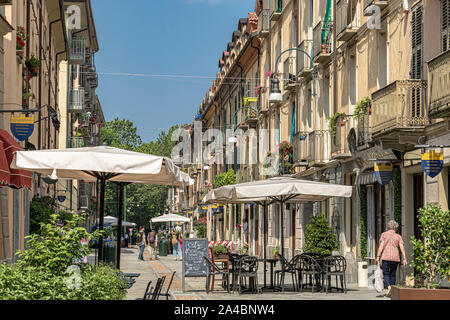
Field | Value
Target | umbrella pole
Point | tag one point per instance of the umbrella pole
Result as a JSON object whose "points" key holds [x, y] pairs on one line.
{"points": [[119, 224], [102, 213], [282, 245]]}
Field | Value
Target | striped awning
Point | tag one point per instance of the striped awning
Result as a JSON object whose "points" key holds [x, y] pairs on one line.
{"points": [[11, 177], [365, 178]]}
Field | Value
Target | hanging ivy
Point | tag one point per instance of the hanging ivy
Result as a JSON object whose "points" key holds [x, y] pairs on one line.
{"points": [[397, 181], [332, 122], [362, 108], [363, 221]]}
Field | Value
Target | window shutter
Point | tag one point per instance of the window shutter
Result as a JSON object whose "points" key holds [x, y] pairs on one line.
{"points": [[445, 25], [416, 39]]}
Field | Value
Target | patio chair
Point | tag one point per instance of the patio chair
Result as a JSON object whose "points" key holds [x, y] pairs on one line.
{"points": [[153, 293], [309, 267], [234, 270], [248, 268], [167, 294], [289, 267], [213, 270], [335, 266]]}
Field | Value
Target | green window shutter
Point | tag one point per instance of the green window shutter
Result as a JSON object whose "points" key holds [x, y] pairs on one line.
{"points": [[416, 40], [445, 25]]}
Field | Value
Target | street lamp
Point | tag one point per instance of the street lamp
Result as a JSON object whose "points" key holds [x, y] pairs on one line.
{"points": [[275, 92]]}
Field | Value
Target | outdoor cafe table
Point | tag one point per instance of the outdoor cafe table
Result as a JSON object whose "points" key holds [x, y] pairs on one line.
{"points": [[272, 263]]}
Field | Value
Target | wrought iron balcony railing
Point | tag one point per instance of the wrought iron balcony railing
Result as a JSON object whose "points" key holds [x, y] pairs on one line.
{"points": [[346, 22], [304, 63], [318, 147], [439, 78], [76, 100], [77, 48], [400, 105], [322, 42]]}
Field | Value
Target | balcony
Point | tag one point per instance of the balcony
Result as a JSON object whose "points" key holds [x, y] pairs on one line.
{"points": [[346, 25], [300, 144], [399, 113], [276, 7], [339, 142], [76, 100], [263, 23], [76, 142], [246, 117], [289, 78], [380, 3], [304, 63], [363, 134], [318, 148], [322, 43], [77, 50], [439, 77]]}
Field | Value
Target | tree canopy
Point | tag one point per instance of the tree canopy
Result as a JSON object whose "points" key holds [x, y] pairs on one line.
{"points": [[142, 202]]}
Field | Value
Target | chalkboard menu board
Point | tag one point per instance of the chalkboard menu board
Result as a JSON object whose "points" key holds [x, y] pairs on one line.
{"points": [[193, 263]]}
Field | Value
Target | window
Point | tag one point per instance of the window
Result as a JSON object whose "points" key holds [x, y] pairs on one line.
{"points": [[445, 25]]}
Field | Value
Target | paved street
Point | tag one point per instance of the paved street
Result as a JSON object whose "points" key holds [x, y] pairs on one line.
{"points": [[195, 287]]}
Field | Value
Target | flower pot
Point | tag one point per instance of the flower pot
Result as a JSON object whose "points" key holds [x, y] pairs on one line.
{"points": [[34, 71], [220, 256], [324, 48], [342, 122], [403, 293]]}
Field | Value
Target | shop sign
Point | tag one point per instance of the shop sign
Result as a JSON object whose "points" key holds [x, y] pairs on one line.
{"points": [[22, 126], [383, 173], [432, 162]]}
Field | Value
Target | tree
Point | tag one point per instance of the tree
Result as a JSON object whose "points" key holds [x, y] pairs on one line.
{"points": [[225, 179], [319, 238], [121, 133]]}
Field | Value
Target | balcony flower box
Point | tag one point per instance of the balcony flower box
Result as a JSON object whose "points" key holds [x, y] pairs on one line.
{"points": [[34, 65]]}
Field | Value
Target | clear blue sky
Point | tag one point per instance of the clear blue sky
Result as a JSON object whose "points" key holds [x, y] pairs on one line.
{"points": [[162, 37]]}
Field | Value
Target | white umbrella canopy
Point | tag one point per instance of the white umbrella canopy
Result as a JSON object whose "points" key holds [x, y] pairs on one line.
{"points": [[113, 221], [86, 163], [171, 217], [103, 164], [282, 188]]}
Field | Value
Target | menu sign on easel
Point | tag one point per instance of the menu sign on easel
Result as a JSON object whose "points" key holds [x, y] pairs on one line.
{"points": [[194, 264]]}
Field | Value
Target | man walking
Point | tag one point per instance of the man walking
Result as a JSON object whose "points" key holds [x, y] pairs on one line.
{"points": [[142, 243], [153, 240]]}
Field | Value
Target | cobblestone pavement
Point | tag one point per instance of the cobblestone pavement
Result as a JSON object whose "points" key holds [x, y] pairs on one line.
{"points": [[195, 287]]}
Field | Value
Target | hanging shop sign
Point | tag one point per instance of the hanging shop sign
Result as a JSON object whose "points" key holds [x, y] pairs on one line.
{"points": [[61, 198], [22, 127], [204, 209], [432, 162], [383, 173]]}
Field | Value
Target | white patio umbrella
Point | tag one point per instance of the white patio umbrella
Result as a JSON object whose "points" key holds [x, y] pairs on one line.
{"points": [[113, 221], [101, 164], [277, 190], [171, 217]]}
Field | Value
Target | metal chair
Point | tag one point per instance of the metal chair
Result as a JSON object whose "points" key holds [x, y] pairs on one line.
{"points": [[212, 270], [167, 294], [335, 266], [289, 267], [248, 268], [234, 270], [309, 267]]}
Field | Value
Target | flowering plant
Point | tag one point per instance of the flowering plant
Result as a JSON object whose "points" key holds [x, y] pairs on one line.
{"points": [[20, 39], [269, 73], [259, 89]]}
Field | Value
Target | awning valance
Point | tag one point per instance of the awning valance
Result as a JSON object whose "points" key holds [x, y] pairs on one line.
{"points": [[11, 177]]}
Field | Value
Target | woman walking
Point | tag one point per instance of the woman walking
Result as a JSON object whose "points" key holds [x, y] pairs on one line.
{"points": [[176, 245], [390, 242]]}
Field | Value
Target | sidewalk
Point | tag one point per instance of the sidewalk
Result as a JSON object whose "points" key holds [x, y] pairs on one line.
{"points": [[195, 287]]}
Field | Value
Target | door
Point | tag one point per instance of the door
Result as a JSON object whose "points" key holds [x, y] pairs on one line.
{"points": [[418, 201]]}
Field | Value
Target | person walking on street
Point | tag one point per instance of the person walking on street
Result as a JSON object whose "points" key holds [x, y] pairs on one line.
{"points": [[390, 241], [152, 242], [176, 246], [142, 243], [126, 240]]}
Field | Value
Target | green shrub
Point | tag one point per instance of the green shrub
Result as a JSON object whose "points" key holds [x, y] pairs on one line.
{"points": [[41, 210], [29, 283], [319, 238], [201, 230], [431, 257], [221, 249]]}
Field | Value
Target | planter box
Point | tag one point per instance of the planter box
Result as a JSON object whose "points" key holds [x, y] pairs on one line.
{"points": [[399, 293]]}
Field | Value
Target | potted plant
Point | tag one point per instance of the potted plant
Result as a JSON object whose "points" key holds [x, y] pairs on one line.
{"points": [[276, 253], [362, 108], [33, 64], [220, 252], [431, 256], [20, 42], [319, 238], [25, 97]]}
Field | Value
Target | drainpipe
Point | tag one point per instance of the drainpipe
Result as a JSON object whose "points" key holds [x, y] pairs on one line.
{"points": [[334, 60], [259, 119]]}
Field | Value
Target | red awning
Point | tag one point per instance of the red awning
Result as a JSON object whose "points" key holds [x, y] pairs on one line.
{"points": [[11, 177]]}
